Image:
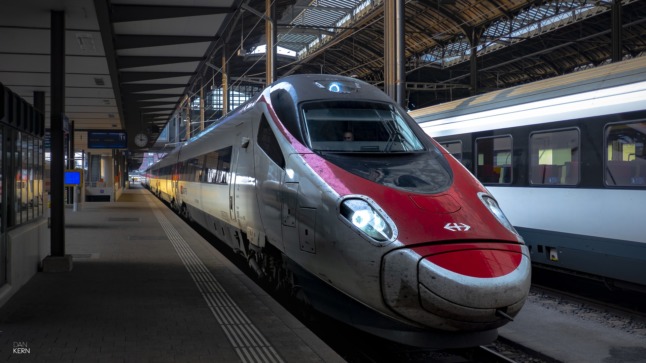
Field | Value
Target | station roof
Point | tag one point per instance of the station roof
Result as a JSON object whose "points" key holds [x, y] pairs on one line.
{"points": [[131, 63]]}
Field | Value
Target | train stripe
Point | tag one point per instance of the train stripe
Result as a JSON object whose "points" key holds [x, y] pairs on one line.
{"points": [[248, 342]]}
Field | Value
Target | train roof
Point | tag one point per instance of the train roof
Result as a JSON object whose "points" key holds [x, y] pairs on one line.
{"points": [[603, 77]]}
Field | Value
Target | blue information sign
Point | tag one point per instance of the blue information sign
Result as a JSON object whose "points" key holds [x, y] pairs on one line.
{"points": [[101, 139]]}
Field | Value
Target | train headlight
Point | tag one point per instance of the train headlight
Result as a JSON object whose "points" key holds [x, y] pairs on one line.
{"points": [[338, 86], [493, 207], [367, 217]]}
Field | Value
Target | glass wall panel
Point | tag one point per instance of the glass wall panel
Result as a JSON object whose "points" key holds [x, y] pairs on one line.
{"points": [[28, 155], [38, 177], [18, 185]]}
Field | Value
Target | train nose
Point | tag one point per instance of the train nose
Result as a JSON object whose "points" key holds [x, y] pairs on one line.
{"points": [[469, 286]]}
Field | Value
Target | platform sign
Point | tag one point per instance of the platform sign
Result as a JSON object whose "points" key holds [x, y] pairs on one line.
{"points": [[73, 177], [107, 139]]}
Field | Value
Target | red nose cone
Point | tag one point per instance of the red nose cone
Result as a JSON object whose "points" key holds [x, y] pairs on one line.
{"points": [[479, 262]]}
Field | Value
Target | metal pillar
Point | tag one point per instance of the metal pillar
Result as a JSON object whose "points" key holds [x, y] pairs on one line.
{"points": [[474, 39], [394, 51], [202, 107], [617, 38], [225, 83], [270, 34], [188, 116], [58, 261], [57, 95], [70, 160]]}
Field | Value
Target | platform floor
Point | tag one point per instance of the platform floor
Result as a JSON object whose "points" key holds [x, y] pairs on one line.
{"points": [[145, 287]]}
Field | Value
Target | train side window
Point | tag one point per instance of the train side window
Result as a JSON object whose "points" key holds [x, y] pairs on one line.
{"points": [[268, 142], [494, 159], [454, 148], [194, 169], [283, 105], [554, 157], [211, 167], [625, 161], [218, 165]]}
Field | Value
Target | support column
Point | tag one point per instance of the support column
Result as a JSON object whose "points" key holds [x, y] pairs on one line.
{"points": [[474, 39], [57, 261], [271, 36], [176, 126], [617, 39], [188, 115], [225, 83], [70, 160], [394, 51], [202, 107]]}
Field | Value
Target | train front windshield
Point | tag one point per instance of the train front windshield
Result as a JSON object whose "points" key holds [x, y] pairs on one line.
{"points": [[373, 140], [360, 127]]}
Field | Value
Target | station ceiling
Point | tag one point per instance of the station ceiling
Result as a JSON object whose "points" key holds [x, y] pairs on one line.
{"points": [[131, 63]]}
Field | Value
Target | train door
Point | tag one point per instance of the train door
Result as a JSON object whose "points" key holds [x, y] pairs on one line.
{"points": [[288, 218], [270, 175], [242, 198], [174, 197], [232, 185]]}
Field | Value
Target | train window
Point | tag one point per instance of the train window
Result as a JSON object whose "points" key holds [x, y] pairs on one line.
{"points": [[454, 148], [211, 166], [554, 157], [283, 104], [494, 159], [217, 166], [375, 127], [625, 161], [268, 142], [193, 169]]}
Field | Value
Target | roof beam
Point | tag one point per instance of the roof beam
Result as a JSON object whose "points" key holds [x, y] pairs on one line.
{"points": [[148, 87], [103, 17], [143, 61], [146, 76], [154, 105], [307, 30], [144, 97], [143, 41], [324, 8], [129, 12], [435, 5]]}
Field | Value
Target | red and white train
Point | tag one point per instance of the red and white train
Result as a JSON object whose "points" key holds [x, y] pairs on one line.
{"points": [[330, 190]]}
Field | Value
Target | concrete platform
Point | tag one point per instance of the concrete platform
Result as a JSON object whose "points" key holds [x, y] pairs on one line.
{"points": [[568, 336], [145, 287]]}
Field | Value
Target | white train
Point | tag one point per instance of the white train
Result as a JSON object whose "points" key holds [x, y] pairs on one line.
{"points": [[565, 159], [332, 192]]}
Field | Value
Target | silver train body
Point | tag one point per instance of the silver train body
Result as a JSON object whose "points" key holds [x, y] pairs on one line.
{"points": [[565, 158], [386, 232]]}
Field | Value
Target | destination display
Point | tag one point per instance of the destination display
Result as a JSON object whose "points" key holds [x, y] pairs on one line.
{"points": [[102, 139]]}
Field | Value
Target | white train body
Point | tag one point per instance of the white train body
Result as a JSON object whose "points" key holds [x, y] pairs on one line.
{"points": [[586, 213]]}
